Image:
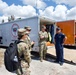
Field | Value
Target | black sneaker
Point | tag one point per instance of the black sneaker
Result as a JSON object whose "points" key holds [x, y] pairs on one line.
{"points": [[56, 61]]}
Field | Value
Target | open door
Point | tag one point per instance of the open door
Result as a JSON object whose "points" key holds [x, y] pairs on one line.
{"points": [[0, 37], [50, 28]]}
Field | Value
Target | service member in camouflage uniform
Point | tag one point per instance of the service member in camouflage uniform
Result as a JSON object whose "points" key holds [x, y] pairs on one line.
{"points": [[23, 50], [29, 43], [43, 36]]}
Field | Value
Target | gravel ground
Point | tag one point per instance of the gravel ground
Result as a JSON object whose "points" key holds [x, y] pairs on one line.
{"points": [[42, 68]]}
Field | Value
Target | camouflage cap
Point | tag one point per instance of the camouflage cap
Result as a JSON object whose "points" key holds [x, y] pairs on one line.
{"points": [[22, 31], [28, 27], [43, 27]]}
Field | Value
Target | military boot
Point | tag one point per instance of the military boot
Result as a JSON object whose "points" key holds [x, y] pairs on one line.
{"points": [[28, 65], [44, 57], [41, 59]]}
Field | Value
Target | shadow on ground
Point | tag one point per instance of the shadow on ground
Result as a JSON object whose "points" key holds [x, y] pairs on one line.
{"points": [[50, 58], [70, 47]]}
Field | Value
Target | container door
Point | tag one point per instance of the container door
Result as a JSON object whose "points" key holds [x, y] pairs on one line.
{"points": [[0, 37], [75, 33], [51, 28]]}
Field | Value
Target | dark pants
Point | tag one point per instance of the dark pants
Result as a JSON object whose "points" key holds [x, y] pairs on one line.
{"points": [[59, 53]]}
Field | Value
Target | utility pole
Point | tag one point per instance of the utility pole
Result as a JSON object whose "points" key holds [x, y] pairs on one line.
{"points": [[36, 7]]}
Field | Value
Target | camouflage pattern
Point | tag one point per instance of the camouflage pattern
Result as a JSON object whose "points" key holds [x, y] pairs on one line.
{"points": [[28, 42], [23, 49], [27, 28], [42, 44]]}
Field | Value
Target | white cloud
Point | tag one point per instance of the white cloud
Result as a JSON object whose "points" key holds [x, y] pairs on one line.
{"points": [[21, 11], [29, 2], [67, 2], [18, 11], [71, 14], [41, 4], [47, 12], [60, 12], [36, 3], [3, 5], [57, 13]]}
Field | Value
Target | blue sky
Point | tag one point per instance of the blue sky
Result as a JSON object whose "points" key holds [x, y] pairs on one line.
{"points": [[58, 10], [19, 2], [10, 2]]}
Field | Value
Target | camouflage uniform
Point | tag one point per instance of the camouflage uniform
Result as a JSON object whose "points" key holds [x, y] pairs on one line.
{"points": [[42, 44], [23, 50], [28, 42]]}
